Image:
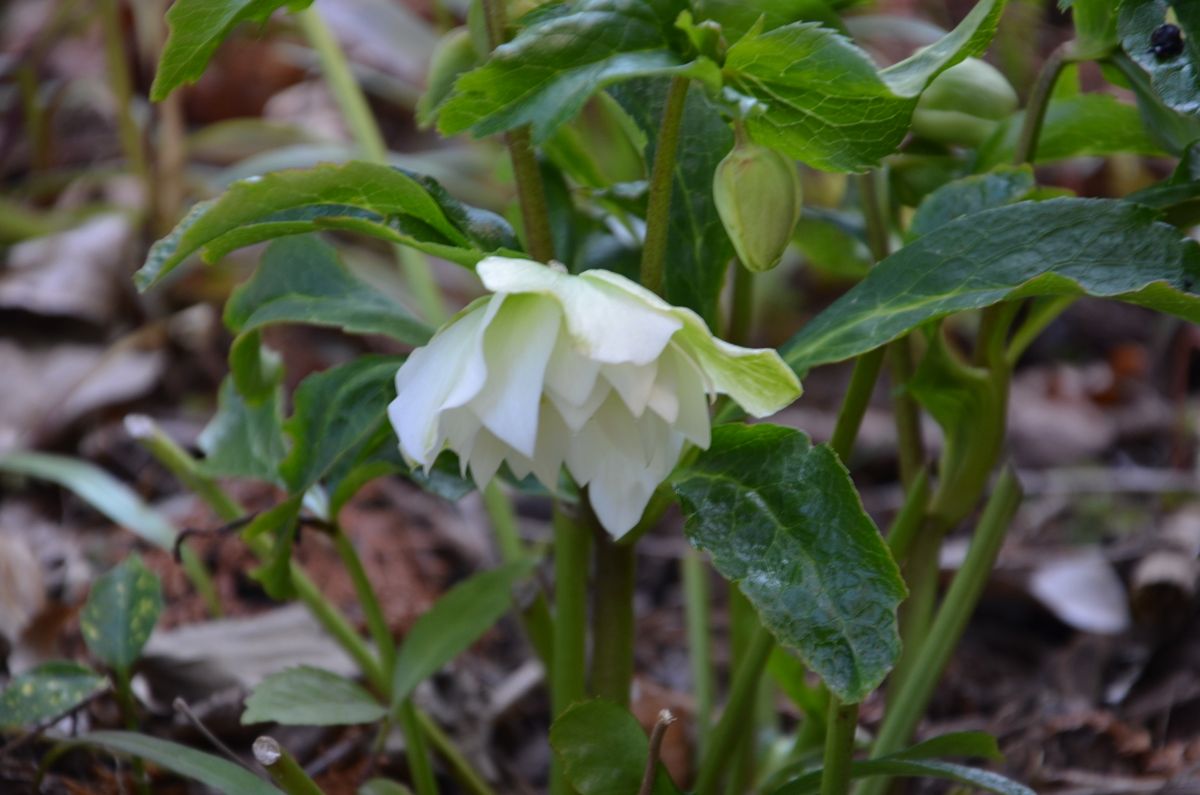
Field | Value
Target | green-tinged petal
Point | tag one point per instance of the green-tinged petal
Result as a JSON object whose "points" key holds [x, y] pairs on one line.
{"points": [[756, 378]]}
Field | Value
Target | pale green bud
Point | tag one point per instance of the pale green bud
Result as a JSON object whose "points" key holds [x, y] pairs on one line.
{"points": [[757, 193], [964, 104]]}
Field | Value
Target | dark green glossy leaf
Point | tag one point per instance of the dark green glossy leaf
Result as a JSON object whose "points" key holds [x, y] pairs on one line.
{"points": [[698, 250], [781, 518], [456, 620], [213, 771], [825, 102], [335, 411], [47, 692], [1172, 130], [374, 199], [969, 744], [98, 489], [1174, 76], [603, 750], [120, 613], [1178, 196], [301, 280], [971, 195], [546, 74], [197, 28], [308, 696], [1096, 247], [914, 768]]}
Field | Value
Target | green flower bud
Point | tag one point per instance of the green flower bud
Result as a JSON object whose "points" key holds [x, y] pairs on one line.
{"points": [[454, 54], [964, 104], [757, 193]]}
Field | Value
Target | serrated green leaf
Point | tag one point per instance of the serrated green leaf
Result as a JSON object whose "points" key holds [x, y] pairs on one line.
{"points": [[1084, 125], [197, 28], [603, 750], [698, 250], [456, 620], [244, 439], [121, 611], [825, 102], [364, 197], [212, 771], [46, 692], [546, 74], [738, 16], [781, 518], [1098, 247], [969, 195], [308, 696], [1174, 77], [335, 411], [98, 489]]}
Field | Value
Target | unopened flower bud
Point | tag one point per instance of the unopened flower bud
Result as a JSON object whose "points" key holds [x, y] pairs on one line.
{"points": [[964, 104], [757, 193]]}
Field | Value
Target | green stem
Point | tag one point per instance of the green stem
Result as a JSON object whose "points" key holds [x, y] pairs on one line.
{"points": [[854, 404], [744, 626], [381, 633], [119, 81], [662, 175], [921, 574], [283, 768], [613, 619], [416, 750], [357, 113], [903, 530], [910, 444], [572, 542], [910, 702], [460, 769], [725, 735], [741, 313], [536, 618], [842, 721], [1042, 312], [1039, 101], [698, 609], [128, 705]]}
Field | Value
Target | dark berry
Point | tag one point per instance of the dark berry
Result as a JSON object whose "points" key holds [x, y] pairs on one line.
{"points": [[1166, 42]]}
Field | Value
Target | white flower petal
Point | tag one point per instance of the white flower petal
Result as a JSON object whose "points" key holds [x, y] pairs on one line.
{"points": [[577, 416], [632, 382], [486, 457], [474, 373], [693, 420], [569, 374], [553, 439]]}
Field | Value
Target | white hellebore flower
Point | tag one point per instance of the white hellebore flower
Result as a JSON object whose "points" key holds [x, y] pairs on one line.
{"points": [[593, 371]]}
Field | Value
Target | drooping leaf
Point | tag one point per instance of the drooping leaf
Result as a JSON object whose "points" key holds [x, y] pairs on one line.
{"points": [[335, 410], [603, 750], [1096, 247], [46, 692], [356, 196], [458, 618], [1174, 75], [825, 102], [197, 28], [213, 771], [971, 194], [308, 696], [98, 489], [301, 280], [781, 518], [275, 574], [120, 613], [546, 74], [244, 439], [698, 250]]}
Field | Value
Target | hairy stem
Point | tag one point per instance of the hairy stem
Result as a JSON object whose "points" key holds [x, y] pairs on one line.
{"points": [[662, 175]]}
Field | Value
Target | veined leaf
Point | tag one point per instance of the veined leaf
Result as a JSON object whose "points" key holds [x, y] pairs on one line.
{"points": [[356, 196], [825, 102], [120, 613], [603, 750], [197, 28], [1178, 196], [47, 691], [1098, 247], [782, 520], [1174, 76], [738, 16], [971, 194], [308, 696], [213, 771], [546, 74]]}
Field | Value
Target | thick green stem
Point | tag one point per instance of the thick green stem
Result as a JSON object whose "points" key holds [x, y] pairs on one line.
{"points": [[908, 521], [909, 703], [283, 768], [121, 85], [536, 618], [613, 619], [358, 117], [743, 627], [725, 735], [460, 769], [741, 310], [416, 750], [1042, 312], [841, 723], [698, 608], [572, 542], [381, 633], [854, 404], [662, 176], [910, 444], [1039, 101]]}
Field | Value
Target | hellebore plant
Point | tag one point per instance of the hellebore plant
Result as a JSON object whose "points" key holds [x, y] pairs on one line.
{"points": [[697, 117]]}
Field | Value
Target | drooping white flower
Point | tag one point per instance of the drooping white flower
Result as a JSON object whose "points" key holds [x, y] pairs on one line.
{"points": [[592, 371]]}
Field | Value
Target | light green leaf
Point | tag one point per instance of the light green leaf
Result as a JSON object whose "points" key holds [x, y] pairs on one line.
{"points": [[244, 439], [275, 574], [120, 613], [738, 16], [458, 618], [833, 242], [97, 488], [301, 280], [365, 197], [1096, 247], [335, 411], [308, 696], [1174, 77], [197, 28], [46, 692], [603, 750], [782, 520], [546, 74], [212, 771], [1095, 26], [826, 103], [971, 194]]}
